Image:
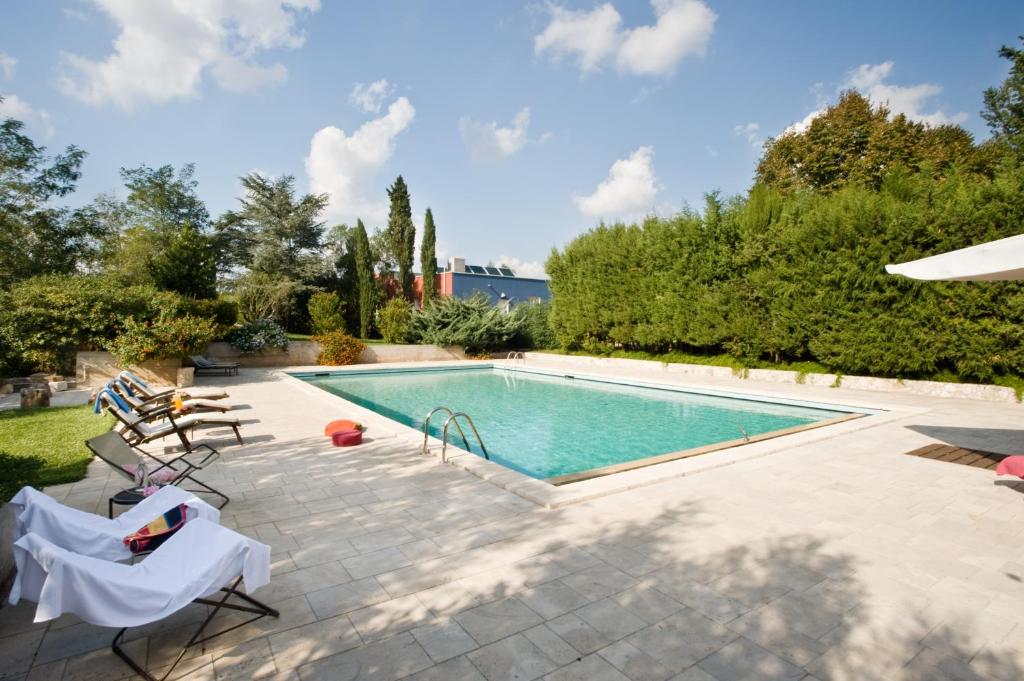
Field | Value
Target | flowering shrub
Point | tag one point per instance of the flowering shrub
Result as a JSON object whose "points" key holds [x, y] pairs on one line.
{"points": [[338, 348], [258, 335], [162, 338]]}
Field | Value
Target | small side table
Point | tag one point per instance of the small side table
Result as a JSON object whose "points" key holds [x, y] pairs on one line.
{"points": [[126, 497]]}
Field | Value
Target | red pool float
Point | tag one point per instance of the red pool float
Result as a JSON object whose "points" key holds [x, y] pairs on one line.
{"points": [[347, 438]]}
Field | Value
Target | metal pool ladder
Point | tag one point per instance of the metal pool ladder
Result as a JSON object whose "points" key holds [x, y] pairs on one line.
{"points": [[453, 417], [513, 356]]}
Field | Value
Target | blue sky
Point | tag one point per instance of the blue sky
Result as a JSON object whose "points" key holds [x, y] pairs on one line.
{"points": [[520, 125]]}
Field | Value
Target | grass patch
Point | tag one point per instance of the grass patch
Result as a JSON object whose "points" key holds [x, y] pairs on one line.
{"points": [[306, 337], [46, 446]]}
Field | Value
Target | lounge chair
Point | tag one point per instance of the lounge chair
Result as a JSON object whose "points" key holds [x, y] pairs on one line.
{"points": [[207, 367], [142, 428], [142, 404], [196, 562], [191, 392], [93, 535], [140, 466]]}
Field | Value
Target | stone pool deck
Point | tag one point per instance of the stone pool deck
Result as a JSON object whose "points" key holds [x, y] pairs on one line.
{"points": [[832, 559]]}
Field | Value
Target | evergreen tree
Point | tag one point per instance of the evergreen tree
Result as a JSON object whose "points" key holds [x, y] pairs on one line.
{"points": [[428, 257], [275, 232], [187, 265], [400, 235], [366, 282]]}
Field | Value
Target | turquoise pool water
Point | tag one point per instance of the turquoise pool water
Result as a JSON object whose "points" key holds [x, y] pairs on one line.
{"points": [[547, 426]]}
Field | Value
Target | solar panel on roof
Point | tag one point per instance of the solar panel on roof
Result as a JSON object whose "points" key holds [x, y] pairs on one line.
{"points": [[506, 272], [476, 269], [493, 270]]}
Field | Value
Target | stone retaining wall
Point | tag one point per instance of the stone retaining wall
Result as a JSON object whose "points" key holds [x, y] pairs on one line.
{"points": [[304, 353], [967, 391], [94, 368]]}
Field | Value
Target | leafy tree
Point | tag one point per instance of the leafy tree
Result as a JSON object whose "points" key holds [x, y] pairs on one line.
{"points": [[428, 257], [852, 142], [162, 199], [367, 283], [400, 235], [148, 223], [1004, 105], [35, 236], [188, 265], [274, 232]]}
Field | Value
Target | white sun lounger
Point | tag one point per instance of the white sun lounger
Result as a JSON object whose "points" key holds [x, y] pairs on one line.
{"points": [[199, 560], [93, 535]]}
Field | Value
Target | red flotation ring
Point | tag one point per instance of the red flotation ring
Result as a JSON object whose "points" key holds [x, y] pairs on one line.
{"points": [[347, 438]]}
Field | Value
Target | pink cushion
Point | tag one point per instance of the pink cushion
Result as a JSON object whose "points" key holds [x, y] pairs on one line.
{"points": [[1011, 465], [160, 476], [347, 438]]}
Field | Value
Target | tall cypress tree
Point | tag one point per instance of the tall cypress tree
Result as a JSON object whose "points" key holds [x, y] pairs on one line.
{"points": [[428, 257], [400, 235], [364, 279]]}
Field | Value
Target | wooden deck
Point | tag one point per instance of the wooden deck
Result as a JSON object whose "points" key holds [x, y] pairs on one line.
{"points": [[953, 454]]}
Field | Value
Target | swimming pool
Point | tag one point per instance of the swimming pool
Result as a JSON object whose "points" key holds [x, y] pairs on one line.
{"points": [[563, 429]]}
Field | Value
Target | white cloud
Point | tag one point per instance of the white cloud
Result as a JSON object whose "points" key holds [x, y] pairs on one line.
{"points": [[371, 97], [164, 49], [629, 191], [804, 123], [591, 36], [683, 28], [750, 131], [345, 166], [869, 80], [531, 269], [7, 65], [38, 120], [909, 100], [488, 141]]}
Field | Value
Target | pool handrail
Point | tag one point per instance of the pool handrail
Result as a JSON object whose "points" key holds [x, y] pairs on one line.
{"points": [[426, 427], [444, 435]]}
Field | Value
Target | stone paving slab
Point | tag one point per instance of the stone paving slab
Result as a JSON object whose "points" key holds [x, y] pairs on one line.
{"points": [[827, 560]]}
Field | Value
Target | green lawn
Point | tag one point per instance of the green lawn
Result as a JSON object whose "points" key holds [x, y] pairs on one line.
{"points": [[306, 336], [46, 446]]}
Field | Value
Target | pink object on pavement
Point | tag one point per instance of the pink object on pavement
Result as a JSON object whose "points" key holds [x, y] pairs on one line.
{"points": [[1011, 465], [347, 438]]}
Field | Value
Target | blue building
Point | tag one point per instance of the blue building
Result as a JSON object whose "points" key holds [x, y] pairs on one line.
{"points": [[501, 284]]}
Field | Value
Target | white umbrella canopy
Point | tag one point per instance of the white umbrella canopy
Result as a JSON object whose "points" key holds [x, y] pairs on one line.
{"points": [[1001, 260]]}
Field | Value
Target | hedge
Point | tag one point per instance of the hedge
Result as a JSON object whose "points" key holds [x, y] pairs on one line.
{"points": [[801, 278]]}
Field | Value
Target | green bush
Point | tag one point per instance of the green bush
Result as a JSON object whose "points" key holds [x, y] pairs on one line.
{"points": [[326, 312], [536, 328], [163, 338], [338, 348], [44, 320], [394, 320], [474, 323], [262, 296], [262, 334], [223, 311]]}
